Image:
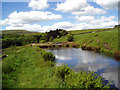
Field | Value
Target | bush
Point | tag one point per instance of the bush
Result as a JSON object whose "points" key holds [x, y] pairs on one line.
{"points": [[79, 80], [89, 48], [84, 47], [70, 38], [84, 80], [61, 71], [42, 41], [48, 56]]}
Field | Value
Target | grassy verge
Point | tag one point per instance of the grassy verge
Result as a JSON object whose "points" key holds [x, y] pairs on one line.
{"points": [[26, 68], [32, 67], [106, 40]]}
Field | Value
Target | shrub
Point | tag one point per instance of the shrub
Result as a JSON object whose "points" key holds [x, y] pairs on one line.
{"points": [[84, 80], [42, 41], [66, 45], [89, 48], [97, 49], [63, 33], [48, 56], [70, 38], [61, 71], [75, 45]]}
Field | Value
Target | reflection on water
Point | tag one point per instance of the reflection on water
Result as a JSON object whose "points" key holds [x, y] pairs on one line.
{"points": [[81, 60]]}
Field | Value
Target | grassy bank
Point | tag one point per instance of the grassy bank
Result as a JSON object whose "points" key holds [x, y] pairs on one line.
{"points": [[106, 40], [32, 67], [26, 68]]}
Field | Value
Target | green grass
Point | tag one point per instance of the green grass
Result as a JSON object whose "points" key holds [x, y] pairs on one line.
{"points": [[87, 30], [106, 40], [16, 32], [25, 67]]}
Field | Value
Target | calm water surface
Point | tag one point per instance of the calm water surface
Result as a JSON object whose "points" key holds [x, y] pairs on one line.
{"points": [[81, 60]]}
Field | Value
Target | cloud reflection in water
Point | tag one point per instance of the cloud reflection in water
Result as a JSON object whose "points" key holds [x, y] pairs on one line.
{"points": [[88, 61]]}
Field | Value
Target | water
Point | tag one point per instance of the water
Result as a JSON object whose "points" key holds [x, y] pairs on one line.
{"points": [[81, 60]]}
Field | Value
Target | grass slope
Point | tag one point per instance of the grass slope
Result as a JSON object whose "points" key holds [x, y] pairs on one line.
{"points": [[88, 30], [106, 40], [16, 32]]}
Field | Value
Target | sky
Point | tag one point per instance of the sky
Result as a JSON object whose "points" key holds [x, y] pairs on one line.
{"points": [[45, 15]]}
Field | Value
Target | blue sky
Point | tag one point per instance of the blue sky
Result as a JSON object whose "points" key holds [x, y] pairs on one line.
{"points": [[69, 15]]}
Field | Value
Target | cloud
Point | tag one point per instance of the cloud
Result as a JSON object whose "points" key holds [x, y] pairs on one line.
{"points": [[79, 7], [102, 21], [34, 27], [71, 5], [109, 24], [89, 10], [108, 4], [29, 17], [64, 25], [84, 18], [15, 22], [38, 4], [4, 22]]}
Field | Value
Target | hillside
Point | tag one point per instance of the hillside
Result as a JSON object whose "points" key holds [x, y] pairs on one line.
{"points": [[107, 40], [88, 31], [16, 32]]}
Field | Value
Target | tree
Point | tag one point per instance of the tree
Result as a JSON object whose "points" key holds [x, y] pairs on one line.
{"points": [[38, 37], [70, 38]]}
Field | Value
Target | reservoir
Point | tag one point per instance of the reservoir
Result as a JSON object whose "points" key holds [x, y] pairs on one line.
{"points": [[81, 60]]}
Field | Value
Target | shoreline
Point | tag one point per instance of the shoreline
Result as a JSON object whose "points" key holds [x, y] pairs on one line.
{"points": [[97, 49]]}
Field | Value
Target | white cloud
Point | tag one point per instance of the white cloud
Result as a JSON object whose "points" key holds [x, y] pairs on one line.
{"points": [[109, 24], [71, 5], [84, 18], [108, 4], [90, 22], [102, 19], [79, 7], [29, 17], [34, 27], [4, 22], [89, 10], [65, 25], [38, 4]]}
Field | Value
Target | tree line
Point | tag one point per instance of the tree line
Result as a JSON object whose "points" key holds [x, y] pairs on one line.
{"points": [[17, 39]]}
